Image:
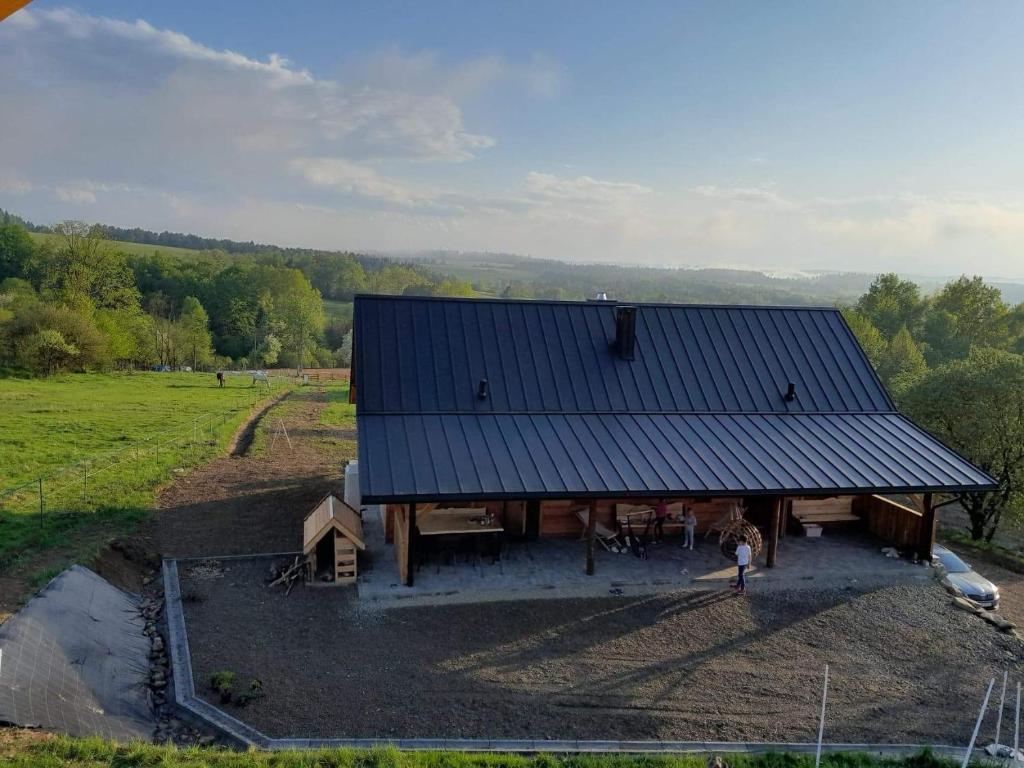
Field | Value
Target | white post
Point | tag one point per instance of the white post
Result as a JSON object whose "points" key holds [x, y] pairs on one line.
{"points": [[977, 725], [821, 722], [1016, 725], [1002, 704]]}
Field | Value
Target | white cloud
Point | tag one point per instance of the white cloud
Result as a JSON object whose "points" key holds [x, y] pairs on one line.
{"points": [[13, 185], [750, 195], [74, 194], [582, 189], [127, 103], [351, 178], [424, 72]]}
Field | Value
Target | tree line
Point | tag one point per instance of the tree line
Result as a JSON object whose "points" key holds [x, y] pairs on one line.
{"points": [[953, 362], [76, 302]]}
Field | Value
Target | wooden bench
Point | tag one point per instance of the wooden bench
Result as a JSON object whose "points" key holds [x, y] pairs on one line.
{"points": [[824, 511]]}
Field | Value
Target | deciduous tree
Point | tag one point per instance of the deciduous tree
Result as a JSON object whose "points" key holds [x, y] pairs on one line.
{"points": [[891, 303], [976, 405]]}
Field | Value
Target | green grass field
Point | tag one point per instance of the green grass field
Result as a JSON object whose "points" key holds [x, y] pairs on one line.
{"points": [[339, 413], [135, 249], [102, 444], [93, 753]]}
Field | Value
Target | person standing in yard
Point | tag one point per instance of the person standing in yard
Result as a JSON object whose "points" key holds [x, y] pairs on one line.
{"points": [[690, 523], [742, 561], [660, 516]]}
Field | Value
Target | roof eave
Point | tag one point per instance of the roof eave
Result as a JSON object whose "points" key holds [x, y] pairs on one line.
{"points": [[371, 498]]}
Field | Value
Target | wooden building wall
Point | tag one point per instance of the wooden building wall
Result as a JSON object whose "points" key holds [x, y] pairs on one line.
{"points": [[889, 521], [558, 518]]}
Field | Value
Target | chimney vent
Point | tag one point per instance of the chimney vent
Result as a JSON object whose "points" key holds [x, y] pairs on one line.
{"points": [[601, 296], [790, 395], [625, 332], [481, 389]]}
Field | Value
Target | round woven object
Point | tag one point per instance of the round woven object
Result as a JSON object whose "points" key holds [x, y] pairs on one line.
{"points": [[730, 538]]}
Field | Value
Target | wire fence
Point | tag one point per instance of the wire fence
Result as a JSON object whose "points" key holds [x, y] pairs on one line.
{"points": [[111, 477]]}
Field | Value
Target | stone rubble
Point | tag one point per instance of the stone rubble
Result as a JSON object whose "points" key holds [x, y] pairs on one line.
{"points": [[170, 729]]}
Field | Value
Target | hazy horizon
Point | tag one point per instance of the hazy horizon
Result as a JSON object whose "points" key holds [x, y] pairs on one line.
{"points": [[857, 137]]}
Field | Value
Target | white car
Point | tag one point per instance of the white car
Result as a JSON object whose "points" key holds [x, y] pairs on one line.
{"points": [[960, 577]]}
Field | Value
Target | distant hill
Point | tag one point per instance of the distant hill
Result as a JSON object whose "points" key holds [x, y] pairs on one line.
{"points": [[493, 273]]}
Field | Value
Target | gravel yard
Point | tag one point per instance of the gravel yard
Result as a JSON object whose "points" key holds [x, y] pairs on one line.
{"points": [[906, 665]]}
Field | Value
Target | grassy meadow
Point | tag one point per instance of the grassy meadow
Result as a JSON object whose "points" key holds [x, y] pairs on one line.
{"points": [[339, 412], [134, 249], [102, 444]]}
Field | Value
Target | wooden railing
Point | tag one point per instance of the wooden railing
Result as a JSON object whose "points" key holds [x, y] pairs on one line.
{"points": [[894, 523]]}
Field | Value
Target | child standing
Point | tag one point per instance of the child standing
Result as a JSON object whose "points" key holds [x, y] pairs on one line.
{"points": [[742, 562], [690, 522]]}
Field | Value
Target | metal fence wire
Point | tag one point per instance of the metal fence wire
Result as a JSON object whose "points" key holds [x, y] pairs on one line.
{"points": [[94, 482]]}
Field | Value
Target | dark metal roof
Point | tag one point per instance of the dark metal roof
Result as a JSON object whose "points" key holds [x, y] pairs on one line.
{"points": [[423, 355], [614, 455], [699, 411]]}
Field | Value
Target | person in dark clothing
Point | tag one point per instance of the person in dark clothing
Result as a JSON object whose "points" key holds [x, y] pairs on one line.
{"points": [[660, 516]]}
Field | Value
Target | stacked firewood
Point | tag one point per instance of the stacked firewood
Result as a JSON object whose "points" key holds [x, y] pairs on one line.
{"points": [[288, 574]]}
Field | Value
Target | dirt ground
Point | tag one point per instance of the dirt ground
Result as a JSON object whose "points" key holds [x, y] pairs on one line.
{"points": [[254, 501], [906, 666]]}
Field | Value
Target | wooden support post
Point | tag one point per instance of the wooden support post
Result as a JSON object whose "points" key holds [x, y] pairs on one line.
{"points": [[926, 541], [773, 533], [591, 529], [411, 541]]}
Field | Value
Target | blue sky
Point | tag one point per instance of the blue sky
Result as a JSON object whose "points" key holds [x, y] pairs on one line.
{"points": [[784, 136]]}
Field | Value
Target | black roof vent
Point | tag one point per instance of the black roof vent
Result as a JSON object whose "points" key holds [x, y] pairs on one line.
{"points": [[790, 395], [625, 332], [481, 389]]}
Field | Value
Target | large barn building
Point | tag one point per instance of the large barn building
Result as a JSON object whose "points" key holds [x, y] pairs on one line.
{"points": [[531, 411]]}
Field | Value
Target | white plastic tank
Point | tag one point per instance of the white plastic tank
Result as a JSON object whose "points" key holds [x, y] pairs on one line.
{"points": [[352, 496]]}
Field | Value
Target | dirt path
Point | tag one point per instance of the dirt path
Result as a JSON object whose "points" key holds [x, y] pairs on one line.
{"points": [[253, 500]]}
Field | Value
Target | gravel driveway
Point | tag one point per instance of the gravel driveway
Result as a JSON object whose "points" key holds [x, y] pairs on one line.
{"points": [[906, 666]]}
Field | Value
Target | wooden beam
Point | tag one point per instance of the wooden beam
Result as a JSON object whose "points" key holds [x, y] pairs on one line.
{"points": [[926, 540], [411, 546], [591, 529], [773, 533]]}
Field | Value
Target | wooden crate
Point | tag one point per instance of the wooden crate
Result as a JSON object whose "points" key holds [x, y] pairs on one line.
{"points": [[345, 570]]}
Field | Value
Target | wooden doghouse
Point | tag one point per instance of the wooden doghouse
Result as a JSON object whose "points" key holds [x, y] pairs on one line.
{"points": [[331, 535]]}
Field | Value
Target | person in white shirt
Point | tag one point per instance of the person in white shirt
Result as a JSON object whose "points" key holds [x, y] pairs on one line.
{"points": [[690, 522], [742, 561]]}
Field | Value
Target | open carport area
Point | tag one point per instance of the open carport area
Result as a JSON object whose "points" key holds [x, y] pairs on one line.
{"points": [[693, 664]]}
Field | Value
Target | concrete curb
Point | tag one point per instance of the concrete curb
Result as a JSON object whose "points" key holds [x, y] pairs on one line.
{"points": [[181, 667], [246, 736]]}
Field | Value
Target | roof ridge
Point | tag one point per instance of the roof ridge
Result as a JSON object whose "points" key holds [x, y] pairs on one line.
{"points": [[611, 303]]}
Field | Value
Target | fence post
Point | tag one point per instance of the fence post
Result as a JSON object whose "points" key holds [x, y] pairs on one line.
{"points": [[40, 503], [85, 483]]}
